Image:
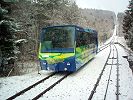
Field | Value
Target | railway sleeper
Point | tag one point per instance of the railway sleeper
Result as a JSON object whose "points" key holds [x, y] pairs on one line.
{"points": [[117, 93], [112, 58], [118, 86], [113, 64]]}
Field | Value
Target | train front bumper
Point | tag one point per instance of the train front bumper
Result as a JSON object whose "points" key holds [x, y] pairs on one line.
{"points": [[66, 65]]}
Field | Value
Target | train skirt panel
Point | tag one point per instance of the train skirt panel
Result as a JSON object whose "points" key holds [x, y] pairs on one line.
{"points": [[60, 62], [66, 61]]}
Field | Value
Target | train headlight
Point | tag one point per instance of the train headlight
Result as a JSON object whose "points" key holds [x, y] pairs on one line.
{"points": [[48, 68], [44, 63], [65, 69], [45, 55], [68, 64]]}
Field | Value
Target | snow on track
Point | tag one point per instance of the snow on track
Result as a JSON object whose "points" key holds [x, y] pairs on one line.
{"points": [[11, 85], [104, 91], [39, 88], [78, 85]]}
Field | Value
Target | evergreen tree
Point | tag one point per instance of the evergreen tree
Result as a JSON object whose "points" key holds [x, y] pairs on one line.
{"points": [[7, 36], [128, 24]]}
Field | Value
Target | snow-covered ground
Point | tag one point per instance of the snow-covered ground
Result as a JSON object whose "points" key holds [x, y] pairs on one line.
{"points": [[78, 85]]}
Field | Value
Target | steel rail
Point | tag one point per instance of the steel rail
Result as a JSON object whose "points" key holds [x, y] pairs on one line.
{"points": [[117, 79], [103, 47], [50, 87], [109, 76], [99, 78], [28, 88], [106, 45]]}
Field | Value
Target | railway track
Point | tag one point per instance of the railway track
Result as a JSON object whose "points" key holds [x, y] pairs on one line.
{"points": [[117, 74], [114, 62], [58, 81], [37, 83], [50, 87], [105, 46]]}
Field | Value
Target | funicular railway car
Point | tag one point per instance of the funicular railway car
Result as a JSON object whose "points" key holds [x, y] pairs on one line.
{"points": [[66, 48]]}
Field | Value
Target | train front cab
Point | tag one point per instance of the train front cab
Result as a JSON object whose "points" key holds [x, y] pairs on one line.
{"points": [[55, 53]]}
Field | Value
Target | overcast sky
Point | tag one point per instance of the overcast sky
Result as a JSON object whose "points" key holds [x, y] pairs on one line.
{"points": [[112, 5]]}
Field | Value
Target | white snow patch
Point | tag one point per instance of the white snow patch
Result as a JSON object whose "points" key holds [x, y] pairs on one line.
{"points": [[78, 85]]}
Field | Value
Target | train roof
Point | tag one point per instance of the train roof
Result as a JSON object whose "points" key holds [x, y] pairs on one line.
{"points": [[78, 28], [63, 26], [90, 30]]}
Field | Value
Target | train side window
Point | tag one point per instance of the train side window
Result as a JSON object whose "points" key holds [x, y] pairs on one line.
{"points": [[82, 39], [78, 39], [87, 38], [89, 41]]}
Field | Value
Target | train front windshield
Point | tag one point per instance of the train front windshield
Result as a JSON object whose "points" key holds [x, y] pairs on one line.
{"points": [[58, 39]]}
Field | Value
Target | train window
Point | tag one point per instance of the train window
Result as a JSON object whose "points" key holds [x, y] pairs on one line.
{"points": [[86, 38], [82, 39], [92, 39], [58, 37], [78, 39]]}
